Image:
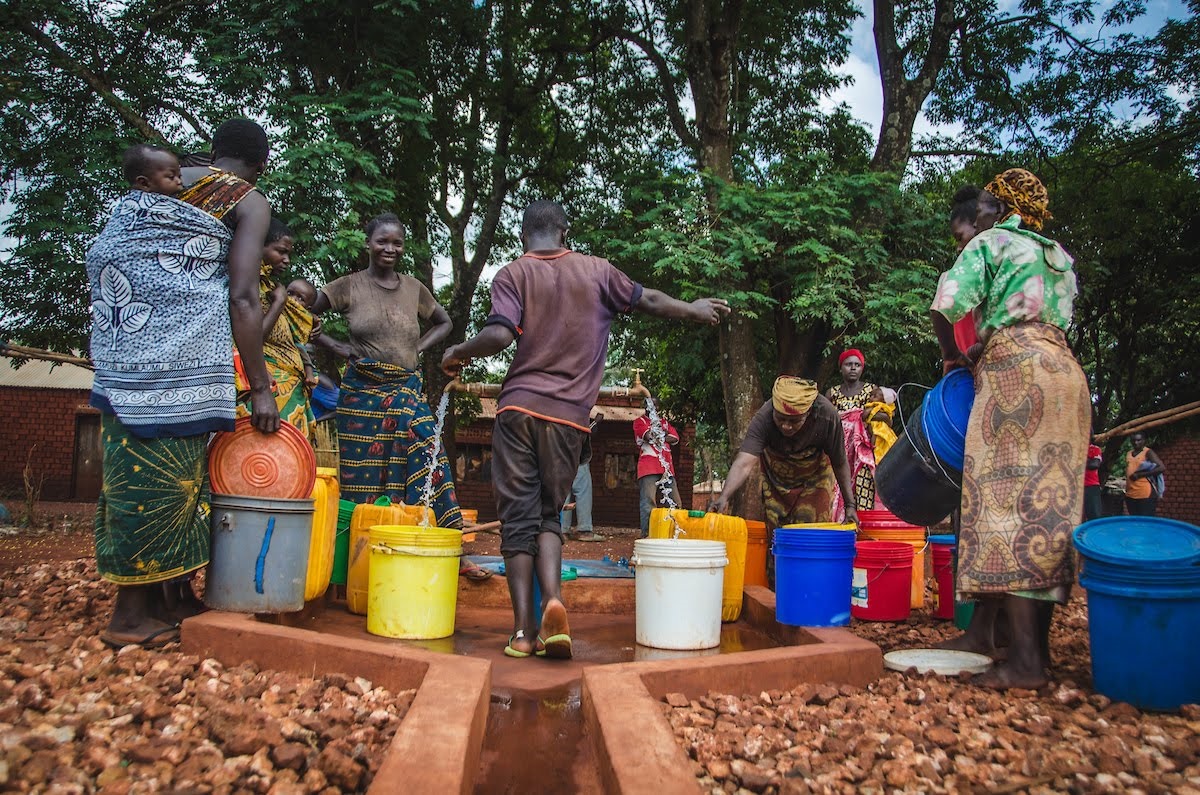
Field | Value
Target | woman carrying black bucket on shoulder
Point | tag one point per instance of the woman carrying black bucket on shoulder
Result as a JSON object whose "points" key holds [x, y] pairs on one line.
{"points": [[1026, 441]]}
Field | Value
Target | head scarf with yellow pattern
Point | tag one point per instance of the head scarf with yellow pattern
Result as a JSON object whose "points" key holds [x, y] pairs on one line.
{"points": [[1024, 194], [792, 395]]}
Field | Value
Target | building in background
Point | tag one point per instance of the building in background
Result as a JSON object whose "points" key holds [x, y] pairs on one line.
{"points": [[51, 428]]}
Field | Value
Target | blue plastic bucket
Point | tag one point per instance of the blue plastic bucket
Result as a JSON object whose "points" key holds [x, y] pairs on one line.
{"points": [[945, 413], [1141, 541], [1143, 642], [1143, 592], [814, 570]]}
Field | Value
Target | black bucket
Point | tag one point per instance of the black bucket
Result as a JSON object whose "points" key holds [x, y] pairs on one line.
{"points": [[913, 483]]}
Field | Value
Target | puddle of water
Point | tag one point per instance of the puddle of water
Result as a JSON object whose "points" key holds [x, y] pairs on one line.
{"points": [[603, 644], [537, 744]]}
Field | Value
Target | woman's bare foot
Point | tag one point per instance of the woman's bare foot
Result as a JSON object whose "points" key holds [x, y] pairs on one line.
{"points": [[1005, 675], [965, 642]]}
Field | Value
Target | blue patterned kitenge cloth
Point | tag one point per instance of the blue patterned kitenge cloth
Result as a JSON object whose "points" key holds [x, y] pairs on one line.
{"points": [[161, 337]]}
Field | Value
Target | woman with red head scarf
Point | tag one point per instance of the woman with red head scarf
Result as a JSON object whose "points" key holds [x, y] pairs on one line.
{"points": [[850, 398]]}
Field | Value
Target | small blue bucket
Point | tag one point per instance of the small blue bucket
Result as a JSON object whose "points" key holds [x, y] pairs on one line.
{"points": [[814, 571], [1142, 577], [945, 414]]}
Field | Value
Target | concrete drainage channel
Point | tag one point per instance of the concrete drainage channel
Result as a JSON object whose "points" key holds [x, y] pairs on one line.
{"points": [[483, 723]]}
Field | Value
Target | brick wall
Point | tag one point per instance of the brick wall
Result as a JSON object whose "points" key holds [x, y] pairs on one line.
{"points": [[1181, 458], [41, 421]]}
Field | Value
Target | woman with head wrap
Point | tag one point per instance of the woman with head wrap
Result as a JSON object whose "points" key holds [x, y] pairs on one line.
{"points": [[851, 398], [796, 437], [1027, 438]]}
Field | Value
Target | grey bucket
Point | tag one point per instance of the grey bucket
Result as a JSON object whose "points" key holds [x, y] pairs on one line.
{"points": [[259, 560]]}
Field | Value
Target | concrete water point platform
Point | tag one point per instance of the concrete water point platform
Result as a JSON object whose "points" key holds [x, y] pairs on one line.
{"points": [[482, 722]]}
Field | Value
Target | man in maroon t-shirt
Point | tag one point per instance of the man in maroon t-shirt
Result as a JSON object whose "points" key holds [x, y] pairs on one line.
{"points": [[558, 305]]}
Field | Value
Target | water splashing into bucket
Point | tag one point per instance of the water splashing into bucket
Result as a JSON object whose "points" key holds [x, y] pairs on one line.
{"points": [[656, 437], [435, 449]]}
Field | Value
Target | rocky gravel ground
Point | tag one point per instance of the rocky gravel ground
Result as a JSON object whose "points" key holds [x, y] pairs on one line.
{"points": [[76, 716], [915, 733]]}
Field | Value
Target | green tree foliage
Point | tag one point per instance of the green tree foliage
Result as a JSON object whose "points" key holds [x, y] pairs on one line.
{"points": [[1137, 246], [79, 83], [685, 138]]}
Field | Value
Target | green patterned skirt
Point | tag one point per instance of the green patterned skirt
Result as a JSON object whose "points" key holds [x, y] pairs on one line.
{"points": [[152, 515]]}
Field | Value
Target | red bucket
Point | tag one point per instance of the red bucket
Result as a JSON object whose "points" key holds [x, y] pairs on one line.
{"points": [[883, 520], [882, 581], [943, 577]]}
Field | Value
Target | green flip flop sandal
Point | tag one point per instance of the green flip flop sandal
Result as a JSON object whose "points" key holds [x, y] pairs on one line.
{"points": [[509, 651]]}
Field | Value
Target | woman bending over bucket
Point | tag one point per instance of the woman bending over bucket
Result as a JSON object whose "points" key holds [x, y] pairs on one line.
{"points": [[796, 438]]}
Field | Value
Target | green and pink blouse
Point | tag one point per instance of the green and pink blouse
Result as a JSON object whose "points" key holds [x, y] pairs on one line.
{"points": [[1009, 275]]}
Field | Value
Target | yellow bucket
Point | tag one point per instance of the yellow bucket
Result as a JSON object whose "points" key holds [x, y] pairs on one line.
{"points": [[701, 526], [324, 533], [366, 516], [915, 537], [413, 581]]}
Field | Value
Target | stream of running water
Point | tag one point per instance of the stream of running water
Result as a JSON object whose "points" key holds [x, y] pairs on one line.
{"points": [[657, 439], [435, 449]]}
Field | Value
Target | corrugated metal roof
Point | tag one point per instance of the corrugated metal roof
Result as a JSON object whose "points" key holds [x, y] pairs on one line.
{"points": [[37, 374]]}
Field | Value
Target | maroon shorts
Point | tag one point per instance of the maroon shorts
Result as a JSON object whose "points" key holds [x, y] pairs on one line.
{"points": [[534, 462]]}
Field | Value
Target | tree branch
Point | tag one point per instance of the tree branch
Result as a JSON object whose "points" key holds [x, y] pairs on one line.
{"points": [[193, 122], [61, 57], [953, 153], [666, 81]]}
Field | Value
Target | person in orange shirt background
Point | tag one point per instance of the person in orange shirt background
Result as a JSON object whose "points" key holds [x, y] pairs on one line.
{"points": [[1143, 482]]}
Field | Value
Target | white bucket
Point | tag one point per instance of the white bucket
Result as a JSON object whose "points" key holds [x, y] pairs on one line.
{"points": [[678, 592]]}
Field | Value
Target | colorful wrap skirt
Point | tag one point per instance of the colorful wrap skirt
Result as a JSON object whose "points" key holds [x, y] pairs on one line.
{"points": [[1026, 448], [152, 515], [291, 399], [385, 433], [797, 488]]}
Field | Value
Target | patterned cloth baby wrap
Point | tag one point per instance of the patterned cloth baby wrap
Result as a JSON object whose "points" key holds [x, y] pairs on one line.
{"points": [[160, 318]]}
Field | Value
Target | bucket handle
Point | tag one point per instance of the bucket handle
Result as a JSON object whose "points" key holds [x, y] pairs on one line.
{"points": [[385, 549], [882, 571], [226, 522], [904, 426], [900, 407]]}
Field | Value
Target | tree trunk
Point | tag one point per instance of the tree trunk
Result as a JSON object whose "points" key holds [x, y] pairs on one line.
{"points": [[711, 32], [903, 96], [799, 350]]}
